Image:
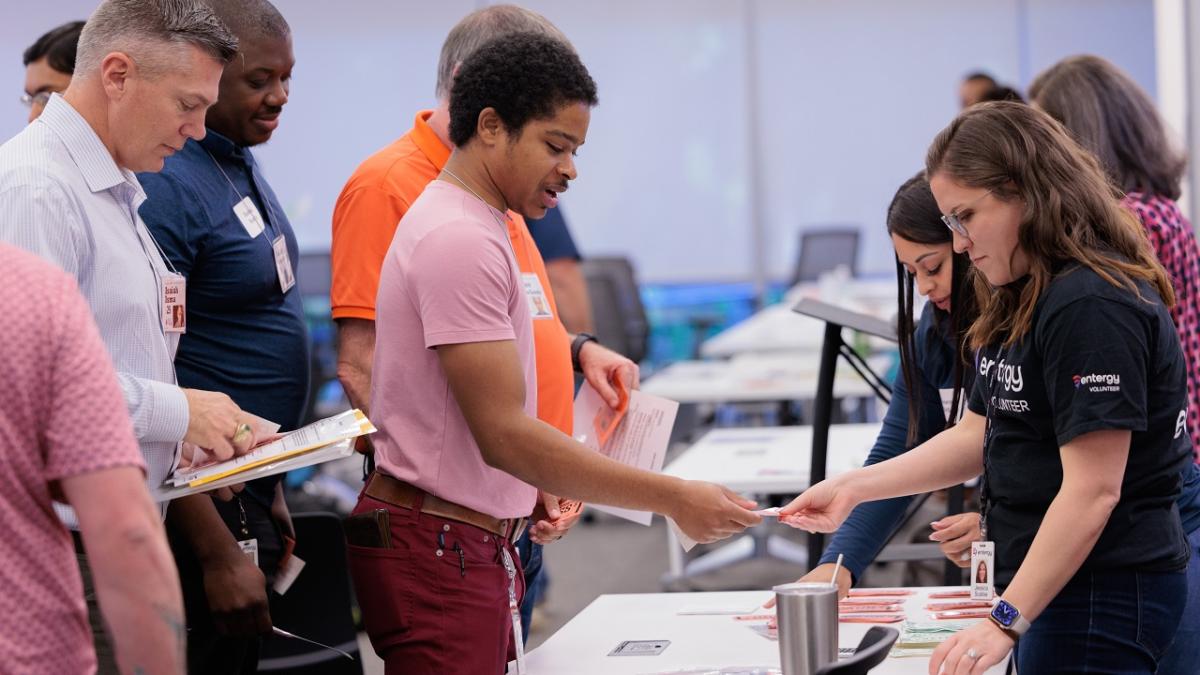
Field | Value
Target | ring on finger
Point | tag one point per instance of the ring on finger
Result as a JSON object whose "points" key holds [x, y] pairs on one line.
{"points": [[972, 654], [242, 432]]}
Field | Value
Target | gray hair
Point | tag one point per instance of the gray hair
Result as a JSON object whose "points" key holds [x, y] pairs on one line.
{"points": [[251, 18], [480, 27], [142, 28]]}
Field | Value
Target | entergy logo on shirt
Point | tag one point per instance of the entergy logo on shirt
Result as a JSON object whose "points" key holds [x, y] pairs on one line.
{"points": [[1097, 382]]}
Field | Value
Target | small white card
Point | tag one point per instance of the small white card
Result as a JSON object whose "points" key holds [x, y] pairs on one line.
{"points": [[250, 549], [283, 264], [248, 215], [539, 304], [287, 576]]}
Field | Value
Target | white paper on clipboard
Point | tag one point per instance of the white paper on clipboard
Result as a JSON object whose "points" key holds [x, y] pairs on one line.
{"points": [[640, 440]]}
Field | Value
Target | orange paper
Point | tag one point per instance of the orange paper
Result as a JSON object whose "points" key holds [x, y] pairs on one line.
{"points": [[607, 419]]}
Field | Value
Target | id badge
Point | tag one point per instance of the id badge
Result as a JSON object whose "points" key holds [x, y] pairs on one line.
{"points": [[250, 549], [514, 610], [519, 646], [947, 396], [983, 570], [283, 264], [248, 215], [174, 303], [539, 304]]}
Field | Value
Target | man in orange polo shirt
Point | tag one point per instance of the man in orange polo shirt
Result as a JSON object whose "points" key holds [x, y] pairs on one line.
{"points": [[370, 207]]}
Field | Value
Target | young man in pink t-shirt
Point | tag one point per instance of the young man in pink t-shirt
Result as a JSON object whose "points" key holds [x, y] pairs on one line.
{"points": [[65, 434], [460, 453]]}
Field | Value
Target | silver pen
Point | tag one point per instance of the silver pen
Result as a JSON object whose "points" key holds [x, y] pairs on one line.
{"points": [[283, 633]]}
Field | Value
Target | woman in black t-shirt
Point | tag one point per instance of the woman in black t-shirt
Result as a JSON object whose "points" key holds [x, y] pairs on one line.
{"points": [[1077, 415]]}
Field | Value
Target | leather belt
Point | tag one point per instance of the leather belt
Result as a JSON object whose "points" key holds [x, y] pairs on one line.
{"points": [[398, 493]]}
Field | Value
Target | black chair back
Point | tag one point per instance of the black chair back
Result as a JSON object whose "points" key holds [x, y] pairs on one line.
{"points": [[871, 651], [617, 309], [824, 250], [318, 606]]}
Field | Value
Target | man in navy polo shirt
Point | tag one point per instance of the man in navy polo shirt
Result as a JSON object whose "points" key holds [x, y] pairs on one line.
{"points": [[557, 246], [221, 226]]}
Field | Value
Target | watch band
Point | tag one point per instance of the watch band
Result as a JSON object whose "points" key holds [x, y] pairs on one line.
{"points": [[1020, 625], [577, 345]]}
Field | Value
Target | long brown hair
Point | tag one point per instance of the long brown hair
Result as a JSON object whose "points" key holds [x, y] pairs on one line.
{"points": [[1071, 211], [1110, 115]]}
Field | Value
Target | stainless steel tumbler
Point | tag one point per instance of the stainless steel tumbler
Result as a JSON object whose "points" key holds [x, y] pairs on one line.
{"points": [[808, 626]]}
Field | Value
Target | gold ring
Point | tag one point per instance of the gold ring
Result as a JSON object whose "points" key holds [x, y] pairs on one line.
{"points": [[242, 432]]}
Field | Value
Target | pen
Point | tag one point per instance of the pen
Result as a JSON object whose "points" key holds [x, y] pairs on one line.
{"points": [[836, 568], [283, 633]]}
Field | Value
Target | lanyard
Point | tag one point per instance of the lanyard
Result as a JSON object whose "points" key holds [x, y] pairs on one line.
{"points": [[989, 433], [266, 202], [503, 227]]}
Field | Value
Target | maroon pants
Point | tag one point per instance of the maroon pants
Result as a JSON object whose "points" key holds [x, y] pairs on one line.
{"points": [[428, 609]]}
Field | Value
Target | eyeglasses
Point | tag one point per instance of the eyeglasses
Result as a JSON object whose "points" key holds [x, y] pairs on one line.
{"points": [[41, 98], [955, 224]]}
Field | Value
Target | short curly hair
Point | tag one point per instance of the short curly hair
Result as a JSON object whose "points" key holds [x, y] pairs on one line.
{"points": [[523, 76]]}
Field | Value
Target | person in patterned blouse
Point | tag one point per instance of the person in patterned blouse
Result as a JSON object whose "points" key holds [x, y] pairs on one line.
{"points": [[1109, 114]]}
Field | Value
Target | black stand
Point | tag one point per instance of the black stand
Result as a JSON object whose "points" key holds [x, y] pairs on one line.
{"points": [[837, 318]]}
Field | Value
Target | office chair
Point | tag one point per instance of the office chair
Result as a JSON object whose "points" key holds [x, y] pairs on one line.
{"points": [[871, 651], [824, 250], [318, 606], [617, 309]]}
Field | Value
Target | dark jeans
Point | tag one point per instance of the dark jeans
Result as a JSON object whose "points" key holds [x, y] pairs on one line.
{"points": [[436, 601], [1183, 656], [1105, 622], [207, 651], [531, 563]]}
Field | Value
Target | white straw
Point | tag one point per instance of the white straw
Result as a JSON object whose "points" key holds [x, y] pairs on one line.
{"points": [[836, 568]]}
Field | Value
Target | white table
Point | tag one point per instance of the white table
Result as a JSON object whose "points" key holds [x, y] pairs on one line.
{"points": [[581, 647], [778, 328], [757, 377], [760, 461]]}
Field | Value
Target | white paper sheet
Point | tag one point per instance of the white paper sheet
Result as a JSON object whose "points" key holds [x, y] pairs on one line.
{"points": [[640, 440], [346, 425]]}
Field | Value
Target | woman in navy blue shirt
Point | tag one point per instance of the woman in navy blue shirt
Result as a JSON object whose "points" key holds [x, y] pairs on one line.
{"points": [[931, 350]]}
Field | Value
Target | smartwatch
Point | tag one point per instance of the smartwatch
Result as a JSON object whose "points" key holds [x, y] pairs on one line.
{"points": [[1009, 619], [577, 344]]}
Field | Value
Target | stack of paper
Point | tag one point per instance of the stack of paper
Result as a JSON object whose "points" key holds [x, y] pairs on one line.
{"points": [[636, 434], [332, 431]]}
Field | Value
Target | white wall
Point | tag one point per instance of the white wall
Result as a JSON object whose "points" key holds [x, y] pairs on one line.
{"points": [[850, 93]]}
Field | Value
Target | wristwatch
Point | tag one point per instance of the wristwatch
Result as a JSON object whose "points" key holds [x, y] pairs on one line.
{"points": [[577, 344], [1009, 619]]}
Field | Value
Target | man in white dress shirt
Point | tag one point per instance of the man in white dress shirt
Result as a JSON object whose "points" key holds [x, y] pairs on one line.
{"points": [[146, 72]]}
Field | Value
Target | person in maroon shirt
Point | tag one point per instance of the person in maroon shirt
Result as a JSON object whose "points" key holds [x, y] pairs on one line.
{"points": [[1109, 114]]}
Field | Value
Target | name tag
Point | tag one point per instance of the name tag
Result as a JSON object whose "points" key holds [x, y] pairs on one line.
{"points": [[283, 264], [948, 402], [247, 213], [539, 304], [249, 549], [983, 569], [174, 303]]}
